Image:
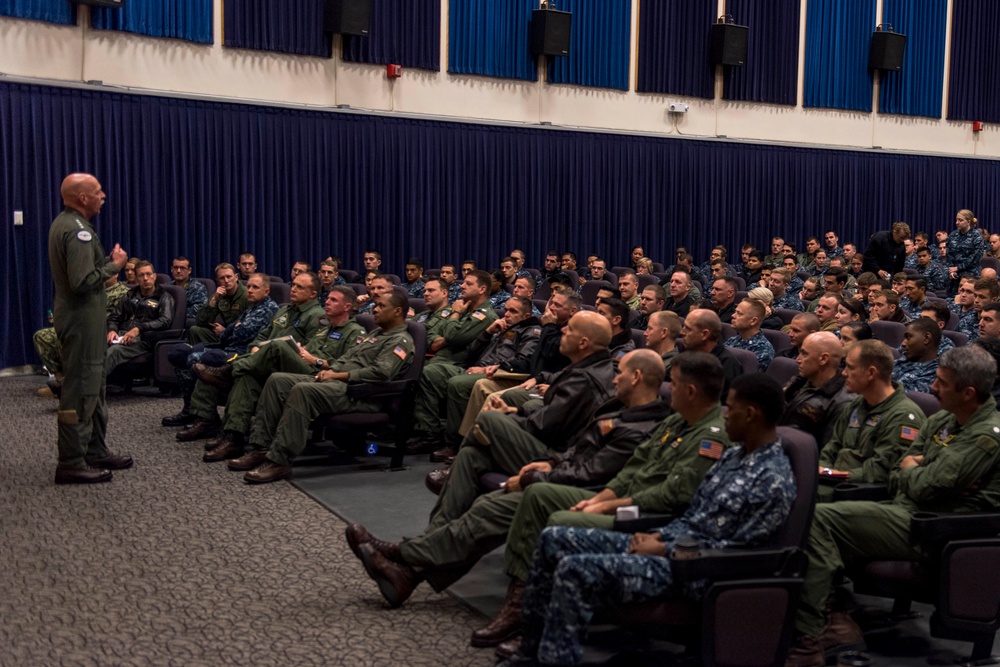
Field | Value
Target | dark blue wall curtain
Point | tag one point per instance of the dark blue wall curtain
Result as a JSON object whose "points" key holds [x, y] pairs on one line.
{"points": [[599, 44], [673, 47], [838, 34], [402, 32], [917, 89], [771, 70], [288, 26], [51, 11], [209, 180], [975, 61], [490, 37], [190, 20]]}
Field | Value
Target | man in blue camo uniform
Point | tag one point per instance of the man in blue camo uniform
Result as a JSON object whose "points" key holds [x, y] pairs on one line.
{"points": [[195, 292], [780, 284], [746, 320], [966, 247], [931, 271], [918, 367], [576, 570]]}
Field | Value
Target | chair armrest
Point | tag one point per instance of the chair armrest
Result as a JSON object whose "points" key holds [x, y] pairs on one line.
{"points": [[154, 337], [933, 528], [643, 524], [860, 491], [377, 389], [739, 563]]}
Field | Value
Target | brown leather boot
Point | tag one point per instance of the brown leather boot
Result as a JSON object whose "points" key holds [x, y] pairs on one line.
{"points": [[358, 535], [506, 623], [230, 447], [805, 652], [201, 429], [841, 634]]}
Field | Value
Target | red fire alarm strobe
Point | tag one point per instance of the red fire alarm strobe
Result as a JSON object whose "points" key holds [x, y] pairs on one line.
{"points": [[394, 71], [977, 126]]}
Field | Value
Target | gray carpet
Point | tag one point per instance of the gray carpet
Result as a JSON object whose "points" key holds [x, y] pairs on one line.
{"points": [[177, 562]]}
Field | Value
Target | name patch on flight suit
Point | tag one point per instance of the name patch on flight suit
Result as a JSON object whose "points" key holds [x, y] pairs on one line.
{"points": [[152, 304], [873, 420], [336, 335]]}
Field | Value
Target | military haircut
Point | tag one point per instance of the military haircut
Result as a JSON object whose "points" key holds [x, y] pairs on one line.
{"points": [[573, 300], [669, 320], [785, 274], [990, 284], [222, 266], [918, 281], [265, 280], [303, 263], [398, 300], [703, 371], [349, 295], [757, 309], [372, 251], [940, 309], [762, 391], [891, 296], [927, 327], [661, 294], [142, 264], [442, 283], [809, 321], [876, 354], [729, 280], [182, 258], [483, 278], [524, 303], [332, 263], [415, 261], [839, 274], [867, 279], [757, 254], [618, 308], [973, 367], [314, 278], [649, 364]]}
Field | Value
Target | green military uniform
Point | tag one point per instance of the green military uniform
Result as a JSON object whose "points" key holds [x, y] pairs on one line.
{"points": [[458, 332], [868, 441], [228, 308], [660, 477], [300, 322], [290, 402], [47, 343], [250, 372], [79, 270], [958, 474]]}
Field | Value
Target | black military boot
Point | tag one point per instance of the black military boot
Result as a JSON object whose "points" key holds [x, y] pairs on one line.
{"points": [[182, 418]]}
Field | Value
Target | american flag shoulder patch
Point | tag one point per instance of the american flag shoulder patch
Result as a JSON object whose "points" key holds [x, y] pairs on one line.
{"points": [[400, 352], [606, 425], [710, 449], [908, 433]]}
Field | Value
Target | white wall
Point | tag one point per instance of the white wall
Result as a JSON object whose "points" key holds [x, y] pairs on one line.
{"points": [[77, 54]]}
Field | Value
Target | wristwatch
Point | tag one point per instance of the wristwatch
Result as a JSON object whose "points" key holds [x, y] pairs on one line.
{"points": [[319, 364]]}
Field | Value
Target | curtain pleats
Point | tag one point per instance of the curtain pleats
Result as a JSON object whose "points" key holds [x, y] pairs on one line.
{"points": [[286, 26], [771, 70], [673, 47], [50, 11], [402, 32], [599, 44], [490, 37], [975, 61], [838, 35], [189, 20], [917, 89]]}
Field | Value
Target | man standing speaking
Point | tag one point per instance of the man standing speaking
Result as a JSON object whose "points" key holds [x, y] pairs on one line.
{"points": [[79, 269]]}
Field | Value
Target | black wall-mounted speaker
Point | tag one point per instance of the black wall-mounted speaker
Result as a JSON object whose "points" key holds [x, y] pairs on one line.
{"points": [[728, 44], [886, 52], [550, 32], [347, 17]]}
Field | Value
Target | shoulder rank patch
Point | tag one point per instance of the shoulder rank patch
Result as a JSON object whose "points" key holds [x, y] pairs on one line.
{"points": [[606, 425], [400, 352], [908, 433], [710, 449], [84, 235], [479, 315]]}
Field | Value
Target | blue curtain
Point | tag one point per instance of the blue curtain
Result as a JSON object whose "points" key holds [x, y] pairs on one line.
{"points": [[490, 37], [288, 26], [673, 47], [599, 44], [838, 34], [402, 32], [51, 11], [190, 20], [917, 89], [975, 61], [771, 70], [209, 180]]}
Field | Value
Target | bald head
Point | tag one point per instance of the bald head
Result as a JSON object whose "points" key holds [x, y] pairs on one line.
{"points": [[825, 342], [708, 320], [648, 364], [988, 273], [82, 193], [819, 357], [594, 327]]}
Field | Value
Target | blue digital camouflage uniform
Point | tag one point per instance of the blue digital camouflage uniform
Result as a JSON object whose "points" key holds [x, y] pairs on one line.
{"points": [[968, 323], [915, 375], [415, 290], [911, 309], [795, 286], [945, 345], [965, 251], [834, 252], [498, 300], [195, 296], [454, 292], [910, 262], [742, 502], [368, 307], [935, 275], [788, 300], [524, 273], [758, 344]]}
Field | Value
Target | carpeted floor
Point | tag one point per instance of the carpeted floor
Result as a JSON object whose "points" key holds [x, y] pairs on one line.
{"points": [[177, 562]]}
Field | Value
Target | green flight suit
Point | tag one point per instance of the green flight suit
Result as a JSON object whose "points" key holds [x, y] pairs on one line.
{"points": [[250, 372], [660, 477], [868, 441], [959, 473], [300, 322], [47, 343], [79, 269], [290, 402], [227, 309], [459, 331]]}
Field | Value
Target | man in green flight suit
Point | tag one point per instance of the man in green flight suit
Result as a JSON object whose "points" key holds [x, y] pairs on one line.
{"points": [[247, 375], [952, 466], [226, 304], [79, 269], [290, 402]]}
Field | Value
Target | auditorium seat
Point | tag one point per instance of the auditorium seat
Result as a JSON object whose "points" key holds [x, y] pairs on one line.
{"points": [[890, 333]]}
